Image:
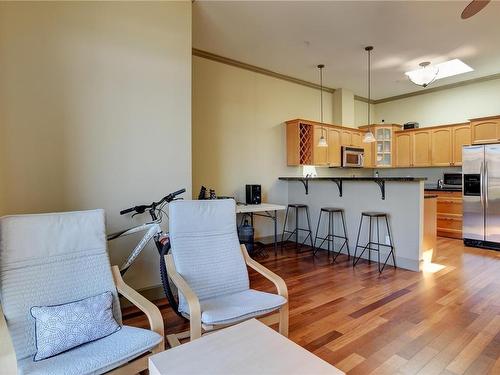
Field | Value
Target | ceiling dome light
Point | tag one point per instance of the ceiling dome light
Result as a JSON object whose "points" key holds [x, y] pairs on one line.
{"points": [[424, 76]]}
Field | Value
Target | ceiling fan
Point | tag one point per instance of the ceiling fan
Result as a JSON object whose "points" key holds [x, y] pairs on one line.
{"points": [[474, 7]]}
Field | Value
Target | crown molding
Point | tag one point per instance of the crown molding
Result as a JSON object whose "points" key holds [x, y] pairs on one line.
{"points": [[256, 69], [439, 88], [270, 73]]}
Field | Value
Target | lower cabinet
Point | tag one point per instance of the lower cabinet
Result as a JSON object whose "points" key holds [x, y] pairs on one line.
{"points": [[449, 214]]}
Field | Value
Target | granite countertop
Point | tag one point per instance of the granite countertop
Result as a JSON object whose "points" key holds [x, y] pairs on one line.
{"points": [[435, 188], [396, 179]]}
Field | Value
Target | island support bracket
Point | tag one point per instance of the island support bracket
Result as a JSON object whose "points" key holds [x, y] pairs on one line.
{"points": [[338, 182], [381, 185], [305, 182]]}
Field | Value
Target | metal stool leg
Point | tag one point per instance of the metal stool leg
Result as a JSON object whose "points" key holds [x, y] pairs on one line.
{"points": [[354, 261], [345, 235], [284, 227], [370, 242], [316, 236], [296, 228], [391, 246], [309, 227], [378, 244]]}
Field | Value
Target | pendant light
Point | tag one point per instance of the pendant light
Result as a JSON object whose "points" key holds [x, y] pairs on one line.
{"points": [[369, 137], [322, 140]]}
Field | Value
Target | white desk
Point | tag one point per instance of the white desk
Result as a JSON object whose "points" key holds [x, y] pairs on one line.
{"points": [[268, 210], [246, 348]]}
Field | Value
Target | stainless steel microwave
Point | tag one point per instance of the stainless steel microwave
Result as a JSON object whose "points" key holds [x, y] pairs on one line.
{"points": [[352, 157]]}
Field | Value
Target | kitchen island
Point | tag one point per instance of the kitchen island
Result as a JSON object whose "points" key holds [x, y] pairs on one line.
{"points": [[402, 198]]}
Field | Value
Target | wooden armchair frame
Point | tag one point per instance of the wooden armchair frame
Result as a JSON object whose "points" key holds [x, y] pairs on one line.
{"points": [[8, 362], [196, 326]]}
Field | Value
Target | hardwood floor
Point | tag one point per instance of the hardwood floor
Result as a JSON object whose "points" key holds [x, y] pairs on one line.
{"points": [[445, 321]]}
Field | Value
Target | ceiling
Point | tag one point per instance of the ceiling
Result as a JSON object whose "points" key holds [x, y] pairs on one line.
{"points": [[291, 38]]}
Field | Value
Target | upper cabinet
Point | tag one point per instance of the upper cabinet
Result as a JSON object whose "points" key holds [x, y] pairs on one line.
{"points": [[441, 148], [302, 137], [320, 154], [434, 146], [461, 136], [421, 148], [380, 154], [403, 142], [485, 130], [334, 141]]}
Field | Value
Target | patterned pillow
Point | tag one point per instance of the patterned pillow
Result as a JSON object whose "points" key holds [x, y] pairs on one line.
{"points": [[62, 327]]}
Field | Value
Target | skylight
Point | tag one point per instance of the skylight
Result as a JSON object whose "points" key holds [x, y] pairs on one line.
{"points": [[445, 69]]}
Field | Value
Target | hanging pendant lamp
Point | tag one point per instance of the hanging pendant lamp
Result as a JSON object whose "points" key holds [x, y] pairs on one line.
{"points": [[369, 137], [322, 140]]}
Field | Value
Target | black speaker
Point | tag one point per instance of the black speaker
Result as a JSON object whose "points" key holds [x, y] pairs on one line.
{"points": [[253, 193]]}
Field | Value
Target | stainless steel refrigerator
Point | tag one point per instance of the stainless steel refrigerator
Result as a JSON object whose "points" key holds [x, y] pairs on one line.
{"points": [[481, 196]]}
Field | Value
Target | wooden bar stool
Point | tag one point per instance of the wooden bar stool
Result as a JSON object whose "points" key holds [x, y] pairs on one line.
{"points": [[330, 237], [297, 208], [376, 216]]}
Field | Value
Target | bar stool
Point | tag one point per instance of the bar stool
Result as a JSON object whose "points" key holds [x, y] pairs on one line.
{"points": [[297, 208], [376, 216], [330, 237]]}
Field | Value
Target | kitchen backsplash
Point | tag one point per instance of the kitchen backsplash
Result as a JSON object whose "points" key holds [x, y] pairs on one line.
{"points": [[432, 174]]}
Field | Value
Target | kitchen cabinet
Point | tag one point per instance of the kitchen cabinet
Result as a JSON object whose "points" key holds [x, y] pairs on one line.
{"points": [[381, 153], [461, 136], [320, 154], [299, 142], [449, 213], [421, 148], [485, 130], [403, 142], [351, 138], [334, 140], [441, 148]]}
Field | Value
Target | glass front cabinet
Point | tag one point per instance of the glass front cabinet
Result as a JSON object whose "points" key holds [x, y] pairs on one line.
{"points": [[383, 149]]}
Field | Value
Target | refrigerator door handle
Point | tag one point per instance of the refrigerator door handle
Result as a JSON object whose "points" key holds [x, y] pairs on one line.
{"points": [[486, 184], [481, 183]]}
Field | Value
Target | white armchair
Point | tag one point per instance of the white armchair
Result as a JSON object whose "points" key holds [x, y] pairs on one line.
{"points": [[52, 259], [209, 267]]}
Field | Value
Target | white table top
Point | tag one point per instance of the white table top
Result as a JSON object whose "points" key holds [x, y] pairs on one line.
{"points": [[247, 348], [247, 208]]}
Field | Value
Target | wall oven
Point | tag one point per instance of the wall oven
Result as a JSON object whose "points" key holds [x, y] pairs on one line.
{"points": [[352, 157]]}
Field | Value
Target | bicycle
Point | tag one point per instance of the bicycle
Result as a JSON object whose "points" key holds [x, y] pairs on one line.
{"points": [[153, 231]]}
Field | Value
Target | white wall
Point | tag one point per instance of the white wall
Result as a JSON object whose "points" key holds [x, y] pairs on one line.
{"points": [[95, 109], [444, 107]]}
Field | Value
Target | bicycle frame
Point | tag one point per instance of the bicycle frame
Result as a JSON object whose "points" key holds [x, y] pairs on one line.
{"points": [[152, 230]]}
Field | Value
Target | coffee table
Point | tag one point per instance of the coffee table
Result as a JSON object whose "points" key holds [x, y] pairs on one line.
{"points": [[246, 348]]}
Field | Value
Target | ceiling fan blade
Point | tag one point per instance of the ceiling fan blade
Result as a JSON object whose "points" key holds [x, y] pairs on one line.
{"points": [[473, 7]]}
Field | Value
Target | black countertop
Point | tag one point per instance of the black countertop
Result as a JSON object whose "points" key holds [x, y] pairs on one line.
{"points": [[396, 179], [429, 188]]}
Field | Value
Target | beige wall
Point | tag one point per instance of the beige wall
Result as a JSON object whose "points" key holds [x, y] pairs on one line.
{"points": [[443, 107], [361, 113], [239, 131], [95, 109]]}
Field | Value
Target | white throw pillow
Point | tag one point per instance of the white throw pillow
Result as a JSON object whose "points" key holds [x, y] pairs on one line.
{"points": [[62, 327]]}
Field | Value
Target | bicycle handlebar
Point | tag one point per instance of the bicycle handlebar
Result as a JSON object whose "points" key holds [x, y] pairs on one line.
{"points": [[142, 208]]}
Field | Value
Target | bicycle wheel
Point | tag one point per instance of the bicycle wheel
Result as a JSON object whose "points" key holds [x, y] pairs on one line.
{"points": [[168, 286]]}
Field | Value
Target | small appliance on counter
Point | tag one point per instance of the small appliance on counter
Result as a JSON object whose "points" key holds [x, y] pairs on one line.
{"points": [[452, 181], [481, 196], [352, 157], [253, 194], [410, 125]]}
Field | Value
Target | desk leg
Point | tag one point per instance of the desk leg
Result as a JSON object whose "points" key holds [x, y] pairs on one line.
{"points": [[275, 218]]}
